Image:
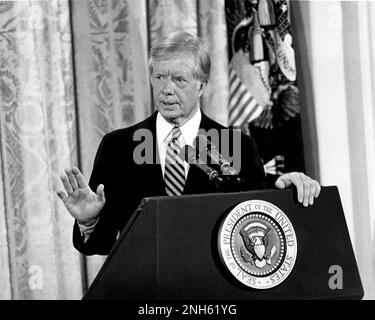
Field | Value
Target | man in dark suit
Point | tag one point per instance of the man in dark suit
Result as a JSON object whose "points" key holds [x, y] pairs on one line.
{"points": [[179, 71]]}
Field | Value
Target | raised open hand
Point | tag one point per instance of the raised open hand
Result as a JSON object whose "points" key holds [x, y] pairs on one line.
{"points": [[81, 202]]}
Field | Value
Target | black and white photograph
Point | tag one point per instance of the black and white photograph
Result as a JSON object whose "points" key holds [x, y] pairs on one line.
{"points": [[191, 154]]}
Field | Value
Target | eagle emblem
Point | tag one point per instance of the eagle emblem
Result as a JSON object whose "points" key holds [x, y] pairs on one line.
{"points": [[260, 243]]}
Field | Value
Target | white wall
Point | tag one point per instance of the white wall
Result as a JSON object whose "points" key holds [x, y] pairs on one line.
{"points": [[334, 42]]}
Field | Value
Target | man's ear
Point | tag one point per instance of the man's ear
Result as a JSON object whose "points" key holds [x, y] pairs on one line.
{"points": [[202, 88]]}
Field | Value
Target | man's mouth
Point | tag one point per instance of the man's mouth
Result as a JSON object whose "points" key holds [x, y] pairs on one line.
{"points": [[169, 103]]}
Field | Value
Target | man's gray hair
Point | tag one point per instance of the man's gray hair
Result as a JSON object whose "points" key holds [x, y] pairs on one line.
{"points": [[182, 42]]}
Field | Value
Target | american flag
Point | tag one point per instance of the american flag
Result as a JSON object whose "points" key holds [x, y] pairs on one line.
{"points": [[243, 108]]}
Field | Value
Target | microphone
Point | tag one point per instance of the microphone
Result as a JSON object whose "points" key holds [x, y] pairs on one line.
{"points": [[203, 145], [189, 155]]}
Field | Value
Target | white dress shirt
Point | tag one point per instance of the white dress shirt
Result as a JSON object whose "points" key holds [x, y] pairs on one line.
{"points": [[188, 133]]}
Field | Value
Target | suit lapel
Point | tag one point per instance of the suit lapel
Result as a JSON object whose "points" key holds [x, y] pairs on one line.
{"points": [[197, 181], [153, 172]]}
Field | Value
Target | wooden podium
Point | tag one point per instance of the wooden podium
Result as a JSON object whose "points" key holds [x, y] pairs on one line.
{"points": [[169, 250]]}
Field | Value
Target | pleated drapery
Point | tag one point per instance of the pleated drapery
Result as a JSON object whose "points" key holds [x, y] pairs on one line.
{"points": [[71, 71], [38, 139]]}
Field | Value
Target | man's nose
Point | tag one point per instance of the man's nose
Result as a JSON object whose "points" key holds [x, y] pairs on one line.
{"points": [[168, 87]]}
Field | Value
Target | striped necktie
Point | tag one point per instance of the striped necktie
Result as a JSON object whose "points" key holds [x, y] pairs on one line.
{"points": [[174, 173]]}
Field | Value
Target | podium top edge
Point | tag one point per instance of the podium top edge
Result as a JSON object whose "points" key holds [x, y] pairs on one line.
{"points": [[250, 192]]}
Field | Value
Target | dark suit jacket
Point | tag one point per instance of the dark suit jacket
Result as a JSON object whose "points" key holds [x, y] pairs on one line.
{"points": [[127, 183]]}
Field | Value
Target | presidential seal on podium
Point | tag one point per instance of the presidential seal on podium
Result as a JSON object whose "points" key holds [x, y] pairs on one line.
{"points": [[258, 244]]}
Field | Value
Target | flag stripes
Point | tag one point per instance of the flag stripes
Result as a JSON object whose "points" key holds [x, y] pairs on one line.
{"points": [[243, 108]]}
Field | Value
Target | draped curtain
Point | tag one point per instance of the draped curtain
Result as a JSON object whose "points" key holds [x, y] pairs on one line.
{"points": [[38, 139], [71, 71]]}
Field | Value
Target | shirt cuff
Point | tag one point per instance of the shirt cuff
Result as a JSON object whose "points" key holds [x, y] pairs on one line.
{"points": [[87, 230]]}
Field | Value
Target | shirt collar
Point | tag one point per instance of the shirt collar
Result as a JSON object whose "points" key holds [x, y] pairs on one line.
{"points": [[188, 131]]}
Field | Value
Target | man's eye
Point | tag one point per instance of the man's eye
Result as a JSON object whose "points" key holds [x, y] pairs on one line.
{"points": [[180, 80], [159, 77]]}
